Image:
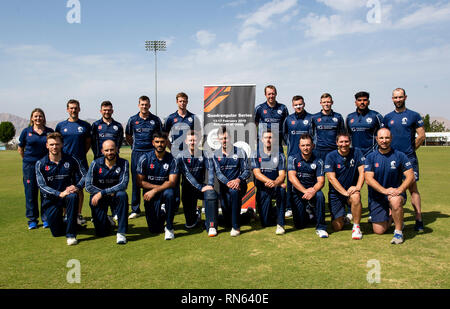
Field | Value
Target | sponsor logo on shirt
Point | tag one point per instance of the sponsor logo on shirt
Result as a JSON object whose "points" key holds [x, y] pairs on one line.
{"points": [[327, 166], [260, 160], [137, 122], [293, 122], [99, 127], [392, 121], [377, 164], [299, 164], [100, 170], [175, 120], [352, 120], [338, 166], [189, 161], [265, 111], [319, 120], [47, 168], [152, 166], [29, 134]]}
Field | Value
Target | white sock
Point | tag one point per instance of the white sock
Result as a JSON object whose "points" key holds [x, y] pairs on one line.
{"points": [[398, 232], [355, 225]]}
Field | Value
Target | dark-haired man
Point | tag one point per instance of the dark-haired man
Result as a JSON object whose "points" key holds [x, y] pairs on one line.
{"points": [[138, 133]]}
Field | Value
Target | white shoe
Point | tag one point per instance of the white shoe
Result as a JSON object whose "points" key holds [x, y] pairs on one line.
{"points": [[133, 215], [280, 230], [121, 239], [220, 211], [322, 233], [72, 241], [288, 213], [115, 218], [235, 233], [169, 234], [348, 218], [80, 220], [111, 221], [212, 232], [356, 233]]}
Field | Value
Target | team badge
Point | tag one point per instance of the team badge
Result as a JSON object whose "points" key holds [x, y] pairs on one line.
{"points": [[327, 166], [335, 119], [305, 122], [200, 159], [235, 157], [152, 122], [65, 130], [275, 160], [166, 166], [115, 128], [352, 162], [369, 120], [190, 119], [313, 166], [80, 129], [67, 165], [279, 112], [405, 120], [393, 164]]}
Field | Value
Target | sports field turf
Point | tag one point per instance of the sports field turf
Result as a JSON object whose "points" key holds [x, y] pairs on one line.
{"points": [[258, 259]]}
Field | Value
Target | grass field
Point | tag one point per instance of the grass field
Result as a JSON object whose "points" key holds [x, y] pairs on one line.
{"points": [[258, 259]]}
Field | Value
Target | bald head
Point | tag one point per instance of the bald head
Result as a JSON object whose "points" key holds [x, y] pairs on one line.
{"points": [[109, 150], [384, 138]]}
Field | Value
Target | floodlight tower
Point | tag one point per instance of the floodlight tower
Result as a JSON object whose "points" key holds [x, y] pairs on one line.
{"points": [[155, 46]]}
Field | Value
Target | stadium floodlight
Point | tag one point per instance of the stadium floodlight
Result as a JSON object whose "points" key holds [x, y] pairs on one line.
{"points": [[155, 46]]}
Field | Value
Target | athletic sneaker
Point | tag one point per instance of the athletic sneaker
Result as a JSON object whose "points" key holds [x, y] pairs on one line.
{"points": [[418, 227], [111, 221], [81, 220], [398, 239], [32, 225], [169, 234], [71, 241], [280, 230], [212, 232], [322, 233], [288, 213], [45, 224], [220, 211], [121, 239], [356, 233], [234, 232], [134, 215], [116, 218]]}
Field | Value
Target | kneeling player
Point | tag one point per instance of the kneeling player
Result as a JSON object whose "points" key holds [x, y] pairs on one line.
{"points": [[157, 174], [344, 169], [107, 181], [193, 164], [385, 169], [270, 172], [60, 177], [306, 175]]}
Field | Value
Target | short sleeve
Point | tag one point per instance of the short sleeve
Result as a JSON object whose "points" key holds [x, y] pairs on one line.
{"points": [[319, 168], [23, 138], [291, 163]]}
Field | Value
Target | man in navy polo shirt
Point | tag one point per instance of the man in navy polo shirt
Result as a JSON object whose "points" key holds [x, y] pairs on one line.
{"points": [[193, 165], [388, 173], [106, 128], [326, 124], [363, 124], [157, 174], [344, 169], [107, 181], [232, 171], [305, 172], [404, 124], [138, 133], [76, 134], [269, 169], [271, 115], [60, 177], [179, 123], [295, 125]]}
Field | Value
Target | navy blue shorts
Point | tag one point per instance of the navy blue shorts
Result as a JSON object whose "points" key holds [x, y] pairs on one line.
{"points": [[379, 209], [337, 203]]}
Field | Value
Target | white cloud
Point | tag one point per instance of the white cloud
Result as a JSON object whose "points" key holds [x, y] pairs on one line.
{"points": [[344, 5], [204, 37], [425, 15]]}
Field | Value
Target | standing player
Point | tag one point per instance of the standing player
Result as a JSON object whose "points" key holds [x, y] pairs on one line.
{"points": [[344, 169], [157, 175], [404, 124], [271, 115], [294, 126], [60, 177], [76, 134], [232, 171], [363, 124], [106, 128], [326, 124], [193, 164], [179, 123], [269, 169], [107, 181], [32, 148], [388, 173], [305, 172], [138, 133]]}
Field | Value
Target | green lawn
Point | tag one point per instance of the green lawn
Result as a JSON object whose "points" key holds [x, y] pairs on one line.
{"points": [[257, 259]]}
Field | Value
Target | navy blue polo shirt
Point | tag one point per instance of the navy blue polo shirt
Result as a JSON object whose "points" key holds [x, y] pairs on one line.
{"points": [[74, 136], [388, 170], [295, 126], [156, 171], [102, 131], [268, 165], [266, 116], [54, 178], [326, 128], [307, 170], [193, 168], [345, 167], [101, 178], [142, 131], [176, 126], [403, 129], [230, 167], [363, 129], [34, 144]]}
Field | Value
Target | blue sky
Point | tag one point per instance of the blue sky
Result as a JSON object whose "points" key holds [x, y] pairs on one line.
{"points": [[304, 47]]}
